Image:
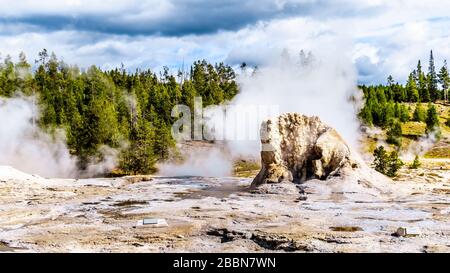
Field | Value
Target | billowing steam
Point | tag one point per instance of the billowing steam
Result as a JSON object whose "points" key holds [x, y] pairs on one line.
{"points": [[319, 85], [421, 146], [24, 146], [212, 163], [314, 85]]}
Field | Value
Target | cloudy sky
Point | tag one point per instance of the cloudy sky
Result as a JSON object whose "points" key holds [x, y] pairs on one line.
{"points": [[381, 37]]}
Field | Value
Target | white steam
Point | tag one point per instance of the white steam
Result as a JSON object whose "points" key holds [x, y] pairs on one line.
{"points": [[24, 146], [105, 162], [421, 146], [319, 85], [211, 163]]}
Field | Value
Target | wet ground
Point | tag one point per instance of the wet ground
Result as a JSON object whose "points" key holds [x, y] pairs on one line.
{"points": [[221, 215]]}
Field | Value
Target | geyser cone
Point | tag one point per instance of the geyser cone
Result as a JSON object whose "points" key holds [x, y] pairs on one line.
{"points": [[297, 148]]}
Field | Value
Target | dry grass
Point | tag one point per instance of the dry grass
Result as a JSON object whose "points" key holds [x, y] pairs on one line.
{"points": [[439, 152], [246, 168], [369, 144], [413, 128]]}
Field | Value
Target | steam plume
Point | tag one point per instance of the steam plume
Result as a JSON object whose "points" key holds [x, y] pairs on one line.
{"points": [[319, 85], [24, 146]]}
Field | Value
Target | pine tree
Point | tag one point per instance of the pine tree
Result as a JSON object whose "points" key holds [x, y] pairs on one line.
{"points": [[444, 80], [416, 163], [388, 114], [366, 114], [386, 163], [163, 140], [139, 156], [394, 134], [411, 89], [390, 90], [24, 75], [422, 84], [188, 94], [432, 120], [394, 164], [403, 114], [432, 79], [390, 80], [419, 113], [380, 159], [8, 78]]}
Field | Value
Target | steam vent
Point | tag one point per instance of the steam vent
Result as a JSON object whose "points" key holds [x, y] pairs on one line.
{"points": [[296, 148]]}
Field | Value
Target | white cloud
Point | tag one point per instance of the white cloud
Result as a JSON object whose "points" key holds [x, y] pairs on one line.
{"points": [[382, 37]]}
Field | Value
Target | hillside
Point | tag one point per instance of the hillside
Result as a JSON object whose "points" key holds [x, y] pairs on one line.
{"points": [[414, 134]]}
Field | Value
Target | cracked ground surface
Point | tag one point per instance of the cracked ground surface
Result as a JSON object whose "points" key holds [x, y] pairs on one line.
{"points": [[221, 215]]}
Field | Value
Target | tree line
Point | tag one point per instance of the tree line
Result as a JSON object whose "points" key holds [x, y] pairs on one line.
{"points": [[130, 111], [385, 105], [419, 87]]}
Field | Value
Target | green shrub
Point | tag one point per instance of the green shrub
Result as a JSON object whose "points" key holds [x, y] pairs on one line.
{"points": [[416, 163], [386, 163]]}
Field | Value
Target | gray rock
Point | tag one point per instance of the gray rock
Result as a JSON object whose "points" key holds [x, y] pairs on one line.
{"points": [[296, 148], [406, 232]]}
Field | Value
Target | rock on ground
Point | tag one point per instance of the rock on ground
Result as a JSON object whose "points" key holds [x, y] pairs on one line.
{"points": [[296, 148], [219, 215]]}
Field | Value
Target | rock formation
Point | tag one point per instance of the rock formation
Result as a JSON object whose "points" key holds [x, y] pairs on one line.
{"points": [[297, 148]]}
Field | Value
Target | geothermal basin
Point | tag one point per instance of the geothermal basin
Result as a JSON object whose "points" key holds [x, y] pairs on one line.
{"points": [[206, 214]]}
